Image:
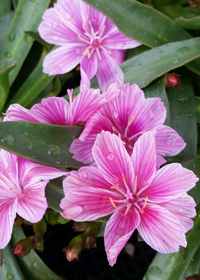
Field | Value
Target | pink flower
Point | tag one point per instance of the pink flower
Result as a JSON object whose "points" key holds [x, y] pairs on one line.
{"points": [[22, 185], [129, 115], [87, 37], [56, 110], [137, 196]]}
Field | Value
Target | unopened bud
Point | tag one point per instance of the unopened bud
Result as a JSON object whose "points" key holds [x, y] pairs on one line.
{"points": [[194, 4], [38, 241], [172, 80], [23, 247], [90, 242], [74, 248], [194, 277]]}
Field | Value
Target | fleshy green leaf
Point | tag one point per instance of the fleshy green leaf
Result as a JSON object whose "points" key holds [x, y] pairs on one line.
{"points": [[194, 165], [31, 265], [157, 89], [54, 193], [37, 38], [146, 67], [197, 108], [10, 268], [171, 266], [15, 3], [182, 114], [43, 143], [32, 87], [5, 67], [17, 44], [192, 23], [5, 7], [4, 23]]}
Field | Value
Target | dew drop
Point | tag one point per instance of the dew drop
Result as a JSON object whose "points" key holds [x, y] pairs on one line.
{"points": [[8, 139], [54, 150], [116, 115], [12, 37], [28, 39], [9, 276], [19, 12], [26, 133], [183, 51], [8, 55], [58, 162], [32, 1], [34, 265], [83, 175], [110, 156]]}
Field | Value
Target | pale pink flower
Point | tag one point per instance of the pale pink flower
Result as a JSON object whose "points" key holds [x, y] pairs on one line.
{"points": [[87, 37], [56, 110], [154, 202], [129, 115], [22, 191]]}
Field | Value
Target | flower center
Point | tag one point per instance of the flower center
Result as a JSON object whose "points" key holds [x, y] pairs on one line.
{"points": [[93, 39]]}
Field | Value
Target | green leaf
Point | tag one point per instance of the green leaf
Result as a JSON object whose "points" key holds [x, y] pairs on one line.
{"points": [[140, 22], [182, 114], [4, 23], [37, 38], [54, 193], [15, 3], [197, 108], [10, 269], [32, 87], [157, 89], [5, 7], [5, 68], [43, 143], [31, 265], [194, 165], [17, 44], [192, 23], [147, 66], [171, 266]]}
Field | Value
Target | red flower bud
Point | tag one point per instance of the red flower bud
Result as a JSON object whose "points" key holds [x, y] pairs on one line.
{"points": [[23, 247], [172, 80], [38, 241], [74, 248]]}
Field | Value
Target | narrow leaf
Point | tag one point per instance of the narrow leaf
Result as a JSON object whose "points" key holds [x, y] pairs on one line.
{"points": [[171, 266], [32, 266], [43, 143], [32, 87], [192, 23], [54, 193], [17, 44], [37, 38], [4, 23], [146, 67], [5, 7], [197, 108], [182, 113], [5, 68]]}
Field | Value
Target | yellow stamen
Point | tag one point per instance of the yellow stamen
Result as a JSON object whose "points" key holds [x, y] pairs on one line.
{"points": [[131, 121], [84, 24], [113, 128], [142, 210], [112, 202], [122, 214], [73, 97], [147, 183], [123, 177], [87, 53], [143, 132], [90, 21], [8, 169], [115, 186]]}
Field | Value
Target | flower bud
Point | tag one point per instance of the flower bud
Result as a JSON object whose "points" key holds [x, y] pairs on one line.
{"points": [[172, 80], [38, 241], [23, 247], [90, 242], [194, 277], [74, 248]]}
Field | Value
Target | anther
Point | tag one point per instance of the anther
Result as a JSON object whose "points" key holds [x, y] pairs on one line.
{"points": [[87, 53], [131, 121], [112, 202], [113, 128], [143, 132], [115, 186]]}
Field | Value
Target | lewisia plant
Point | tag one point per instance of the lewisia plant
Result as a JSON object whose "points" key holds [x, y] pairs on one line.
{"points": [[129, 116], [155, 202], [87, 37], [22, 191]]}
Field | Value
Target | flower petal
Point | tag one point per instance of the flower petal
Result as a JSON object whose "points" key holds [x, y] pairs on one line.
{"points": [[108, 72], [118, 55], [168, 142], [183, 208], [112, 159], [63, 59], [89, 65], [161, 230], [144, 160], [54, 31], [16, 112], [87, 195], [7, 214], [33, 204], [170, 182], [118, 230]]}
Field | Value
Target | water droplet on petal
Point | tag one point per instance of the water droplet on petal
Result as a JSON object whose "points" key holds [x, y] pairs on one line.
{"points": [[72, 211], [82, 175], [110, 156], [54, 150], [8, 55], [12, 37]]}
